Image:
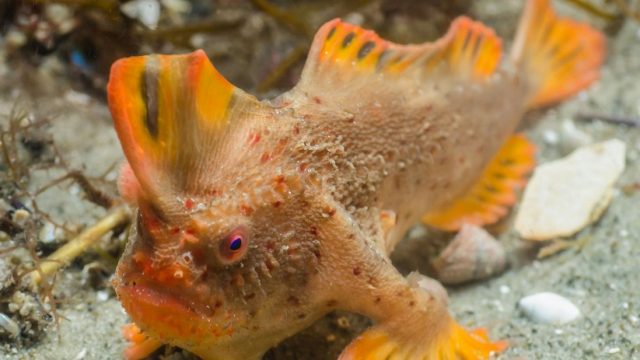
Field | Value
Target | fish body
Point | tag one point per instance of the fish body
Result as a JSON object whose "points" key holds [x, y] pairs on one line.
{"points": [[257, 218]]}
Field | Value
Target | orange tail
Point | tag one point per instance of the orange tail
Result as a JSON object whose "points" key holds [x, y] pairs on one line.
{"points": [[558, 56]]}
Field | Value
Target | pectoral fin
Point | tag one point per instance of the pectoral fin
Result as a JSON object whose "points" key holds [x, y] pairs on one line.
{"points": [[490, 198]]}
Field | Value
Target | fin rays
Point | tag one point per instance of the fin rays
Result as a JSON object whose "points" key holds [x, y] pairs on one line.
{"points": [[168, 111], [468, 50], [490, 198]]}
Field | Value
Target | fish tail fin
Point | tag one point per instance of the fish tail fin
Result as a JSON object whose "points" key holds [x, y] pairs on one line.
{"points": [[558, 56]]}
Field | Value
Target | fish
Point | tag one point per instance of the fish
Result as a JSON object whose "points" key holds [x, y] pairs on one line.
{"points": [[257, 217]]}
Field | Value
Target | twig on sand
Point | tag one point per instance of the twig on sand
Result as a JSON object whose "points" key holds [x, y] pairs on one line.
{"points": [[614, 119], [560, 245], [592, 9], [81, 243], [627, 9]]}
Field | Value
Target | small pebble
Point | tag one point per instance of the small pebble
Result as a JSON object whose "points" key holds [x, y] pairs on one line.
{"points": [[146, 11], [15, 39], [47, 233], [573, 137], [504, 289], [178, 6], [81, 355], [21, 216], [614, 350], [550, 137], [9, 325], [548, 308], [102, 296]]}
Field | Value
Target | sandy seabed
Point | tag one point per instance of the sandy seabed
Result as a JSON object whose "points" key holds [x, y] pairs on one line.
{"points": [[601, 277]]}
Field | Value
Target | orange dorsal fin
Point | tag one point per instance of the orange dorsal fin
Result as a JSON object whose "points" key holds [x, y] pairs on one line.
{"points": [[559, 56], [468, 50], [489, 199], [170, 113]]}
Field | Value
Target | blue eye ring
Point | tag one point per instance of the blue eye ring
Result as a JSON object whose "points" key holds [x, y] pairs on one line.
{"points": [[236, 243], [234, 246]]}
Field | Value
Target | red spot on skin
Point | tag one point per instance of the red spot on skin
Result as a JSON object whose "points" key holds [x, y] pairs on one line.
{"points": [[317, 100], [314, 230], [212, 192], [246, 210], [302, 167], [276, 204], [296, 130], [189, 204], [357, 271], [254, 138], [265, 157], [330, 211], [280, 184]]}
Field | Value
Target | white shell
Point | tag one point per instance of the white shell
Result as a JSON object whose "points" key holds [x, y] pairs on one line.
{"points": [[548, 308], [566, 195]]}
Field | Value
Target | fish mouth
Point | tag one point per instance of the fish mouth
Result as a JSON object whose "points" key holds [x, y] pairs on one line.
{"points": [[167, 317]]}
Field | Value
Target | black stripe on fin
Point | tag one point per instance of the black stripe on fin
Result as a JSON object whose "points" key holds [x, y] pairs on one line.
{"points": [[149, 91]]}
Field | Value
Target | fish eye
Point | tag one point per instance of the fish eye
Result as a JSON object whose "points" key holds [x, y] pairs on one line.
{"points": [[234, 246]]}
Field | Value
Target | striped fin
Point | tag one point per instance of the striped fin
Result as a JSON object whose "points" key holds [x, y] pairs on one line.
{"points": [[559, 56], [490, 198], [169, 112], [468, 50]]}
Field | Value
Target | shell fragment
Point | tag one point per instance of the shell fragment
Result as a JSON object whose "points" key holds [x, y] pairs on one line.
{"points": [[548, 308], [472, 255], [566, 195]]}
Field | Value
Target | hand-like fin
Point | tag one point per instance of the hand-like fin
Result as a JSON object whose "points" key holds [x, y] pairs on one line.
{"points": [[455, 344], [490, 198]]}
